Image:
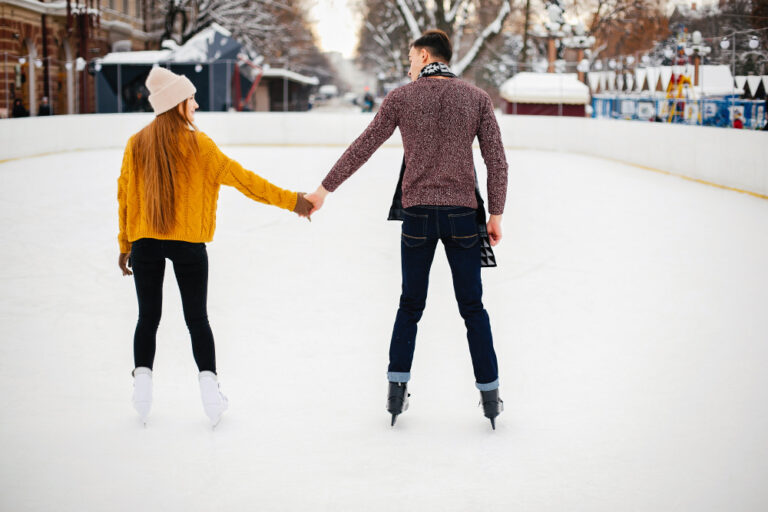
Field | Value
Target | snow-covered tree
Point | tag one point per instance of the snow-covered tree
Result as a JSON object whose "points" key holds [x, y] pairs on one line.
{"points": [[273, 31], [621, 27], [390, 24], [738, 21]]}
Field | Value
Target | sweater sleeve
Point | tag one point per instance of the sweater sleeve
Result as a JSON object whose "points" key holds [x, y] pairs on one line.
{"points": [[122, 189], [495, 159], [252, 185], [380, 129]]}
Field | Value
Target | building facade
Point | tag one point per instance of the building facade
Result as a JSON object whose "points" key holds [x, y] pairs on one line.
{"points": [[47, 49]]}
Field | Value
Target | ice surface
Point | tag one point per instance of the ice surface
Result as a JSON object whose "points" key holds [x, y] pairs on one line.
{"points": [[628, 310]]}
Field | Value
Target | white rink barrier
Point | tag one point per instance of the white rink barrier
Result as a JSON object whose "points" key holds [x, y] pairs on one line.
{"points": [[732, 158]]}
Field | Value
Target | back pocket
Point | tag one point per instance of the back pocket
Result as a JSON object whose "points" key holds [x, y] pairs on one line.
{"points": [[464, 229], [414, 229]]}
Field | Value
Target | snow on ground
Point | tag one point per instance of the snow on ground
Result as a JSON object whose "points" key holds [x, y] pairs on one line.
{"points": [[628, 312]]}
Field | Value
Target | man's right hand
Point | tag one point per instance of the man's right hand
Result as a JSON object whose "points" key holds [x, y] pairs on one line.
{"points": [[317, 198], [494, 230]]}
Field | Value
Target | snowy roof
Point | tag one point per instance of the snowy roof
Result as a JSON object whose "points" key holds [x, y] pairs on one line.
{"points": [[715, 81], [212, 44], [145, 57], [545, 88], [290, 75]]}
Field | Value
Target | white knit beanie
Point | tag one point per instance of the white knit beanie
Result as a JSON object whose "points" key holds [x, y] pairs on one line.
{"points": [[167, 89]]}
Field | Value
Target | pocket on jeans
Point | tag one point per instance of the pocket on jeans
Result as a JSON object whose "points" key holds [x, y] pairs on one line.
{"points": [[464, 229], [414, 229]]}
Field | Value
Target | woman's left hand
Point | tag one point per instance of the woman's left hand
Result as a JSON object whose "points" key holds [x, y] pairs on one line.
{"points": [[122, 262]]}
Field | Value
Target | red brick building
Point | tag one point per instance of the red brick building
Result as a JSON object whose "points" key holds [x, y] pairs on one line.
{"points": [[46, 46]]}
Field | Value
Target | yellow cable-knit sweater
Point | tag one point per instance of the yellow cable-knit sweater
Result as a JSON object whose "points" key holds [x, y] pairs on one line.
{"points": [[196, 189]]}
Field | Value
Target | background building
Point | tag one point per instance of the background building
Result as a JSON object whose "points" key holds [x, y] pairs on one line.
{"points": [[47, 47]]}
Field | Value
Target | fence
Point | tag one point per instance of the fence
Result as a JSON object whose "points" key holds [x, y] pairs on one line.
{"points": [[704, 112]]}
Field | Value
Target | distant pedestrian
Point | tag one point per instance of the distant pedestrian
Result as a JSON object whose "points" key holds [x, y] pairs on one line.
{"points": [[45, 108], [18, 109], [367, 101]]}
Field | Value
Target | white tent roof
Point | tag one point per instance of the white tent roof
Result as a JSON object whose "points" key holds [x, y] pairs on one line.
{"points": [[640, 74], [665, 74], [545, 88], [653, 77], [630, 81], [741, 81], [594, 81]]}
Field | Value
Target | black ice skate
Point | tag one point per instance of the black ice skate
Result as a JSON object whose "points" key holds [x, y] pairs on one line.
{"points": [[397, 399], [492, 405]]}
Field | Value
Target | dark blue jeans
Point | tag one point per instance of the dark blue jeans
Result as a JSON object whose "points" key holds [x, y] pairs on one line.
{"points": [[190, 264], [456, 227]]}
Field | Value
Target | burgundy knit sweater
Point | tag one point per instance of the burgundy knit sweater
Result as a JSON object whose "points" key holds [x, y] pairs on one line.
{"points": [[438, 120]]}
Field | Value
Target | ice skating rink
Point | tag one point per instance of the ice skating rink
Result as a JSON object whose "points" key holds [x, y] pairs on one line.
{"points": [[629, 316]]}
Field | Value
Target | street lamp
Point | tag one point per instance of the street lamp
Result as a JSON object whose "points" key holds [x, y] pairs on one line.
{"points": [[697, 49]]}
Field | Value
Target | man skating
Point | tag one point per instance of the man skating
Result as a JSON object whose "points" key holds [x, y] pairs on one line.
{"points": [[439, 117]]}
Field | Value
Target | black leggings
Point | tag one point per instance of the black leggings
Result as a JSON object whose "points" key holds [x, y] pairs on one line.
{"points": [[190, 264]]}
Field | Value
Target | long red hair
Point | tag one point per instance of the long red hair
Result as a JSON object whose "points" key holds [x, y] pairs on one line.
{"points": [[158, 150]]}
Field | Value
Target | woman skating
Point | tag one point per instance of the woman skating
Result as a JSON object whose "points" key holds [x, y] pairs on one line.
{"points": [[167, 192]]}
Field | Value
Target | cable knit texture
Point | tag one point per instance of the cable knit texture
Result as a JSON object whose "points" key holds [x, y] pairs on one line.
{"points": [[438, 120], [196, 188]]}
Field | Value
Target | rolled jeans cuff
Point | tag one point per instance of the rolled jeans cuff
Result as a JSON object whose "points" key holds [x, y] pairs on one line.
{"points": [[490, 386], [398, 376]]}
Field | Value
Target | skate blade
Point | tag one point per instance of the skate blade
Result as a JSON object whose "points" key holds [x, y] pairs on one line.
{"points": [[493, 423], [394, 419]]}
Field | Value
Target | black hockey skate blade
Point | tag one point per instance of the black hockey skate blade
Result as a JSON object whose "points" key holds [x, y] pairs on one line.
{"points": [[394, 419], [493, 423]]}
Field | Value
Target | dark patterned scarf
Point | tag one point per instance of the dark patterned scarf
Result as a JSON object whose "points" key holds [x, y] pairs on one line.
{"points": [[436, 69]]}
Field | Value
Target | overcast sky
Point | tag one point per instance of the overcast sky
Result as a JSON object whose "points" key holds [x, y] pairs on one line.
{"points": [[336, 25]]}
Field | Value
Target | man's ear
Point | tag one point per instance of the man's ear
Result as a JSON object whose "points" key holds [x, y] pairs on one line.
{"points": [[424, 55]]}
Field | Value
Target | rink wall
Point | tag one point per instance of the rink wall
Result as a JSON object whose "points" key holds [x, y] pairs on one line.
{"points": [[731, 158]]}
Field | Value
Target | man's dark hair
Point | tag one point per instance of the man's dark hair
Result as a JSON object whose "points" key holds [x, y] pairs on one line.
{"points": [[436, 43]]}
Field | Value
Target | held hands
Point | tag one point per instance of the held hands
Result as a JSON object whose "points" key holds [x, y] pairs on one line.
{"points": [[307, 204], [303, 207], [494, 230], [317, 198]]}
